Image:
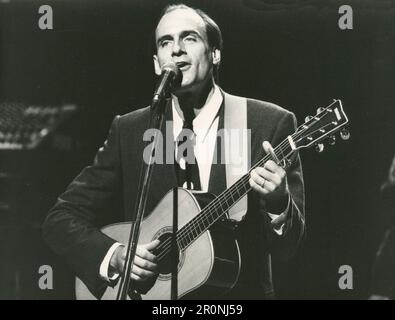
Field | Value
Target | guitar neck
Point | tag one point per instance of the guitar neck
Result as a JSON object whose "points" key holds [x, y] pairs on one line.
{"points": [[228, 198]]}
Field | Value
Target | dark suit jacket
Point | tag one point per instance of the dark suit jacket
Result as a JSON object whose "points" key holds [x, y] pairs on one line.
{"points": [[105, 192]]}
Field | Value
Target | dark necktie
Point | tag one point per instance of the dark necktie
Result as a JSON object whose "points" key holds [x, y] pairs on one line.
{"points": [[186, 165]]}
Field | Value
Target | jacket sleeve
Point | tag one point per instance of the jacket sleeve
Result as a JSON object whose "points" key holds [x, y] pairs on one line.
{"points": [[70, 228], [285, 245]]}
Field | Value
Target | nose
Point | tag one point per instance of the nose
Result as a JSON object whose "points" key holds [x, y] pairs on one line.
{"points": [[178, 48]]}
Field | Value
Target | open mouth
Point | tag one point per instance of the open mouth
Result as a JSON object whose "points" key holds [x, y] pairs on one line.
{"points": [[183, 65]]}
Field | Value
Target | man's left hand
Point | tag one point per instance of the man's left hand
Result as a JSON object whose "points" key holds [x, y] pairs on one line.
{"points": [[270, 181]]}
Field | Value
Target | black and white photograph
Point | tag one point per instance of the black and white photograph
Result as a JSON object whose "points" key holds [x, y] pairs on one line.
{"points": [[206, 150]]}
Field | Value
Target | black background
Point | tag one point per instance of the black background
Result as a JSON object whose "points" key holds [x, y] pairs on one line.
{"points": [[290, 52]]}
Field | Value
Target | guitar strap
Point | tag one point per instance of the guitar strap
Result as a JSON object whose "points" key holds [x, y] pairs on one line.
{"points": [[237, 141]]}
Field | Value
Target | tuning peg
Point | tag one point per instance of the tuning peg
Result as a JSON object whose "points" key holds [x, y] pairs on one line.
{"points": [[319, 147], [308, 118], [320, 109], [332, 140], [345, 134]]}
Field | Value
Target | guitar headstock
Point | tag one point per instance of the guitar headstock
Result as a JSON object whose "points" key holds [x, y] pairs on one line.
{"points": [[322, 126]]}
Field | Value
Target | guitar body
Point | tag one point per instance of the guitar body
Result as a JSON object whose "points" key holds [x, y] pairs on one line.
{"points": [[207, 268]]}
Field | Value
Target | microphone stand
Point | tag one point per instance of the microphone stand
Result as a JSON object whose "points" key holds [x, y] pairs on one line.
{"points": [[174, 248], [157, 114]]}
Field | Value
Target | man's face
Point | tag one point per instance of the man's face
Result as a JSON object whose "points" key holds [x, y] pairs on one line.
{"points": [[181, 37]]}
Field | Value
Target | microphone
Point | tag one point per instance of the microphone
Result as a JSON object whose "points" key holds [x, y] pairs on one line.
{"points": [[170, 77]]}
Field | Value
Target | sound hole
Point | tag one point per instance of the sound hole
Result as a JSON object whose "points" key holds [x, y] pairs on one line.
{"points": [[165, 256]]}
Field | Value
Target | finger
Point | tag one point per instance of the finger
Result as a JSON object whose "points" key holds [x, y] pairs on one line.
{"points": [[269, 176], [271, 166], [266, 146], [142, 252], [265, 188], [142, 273], [258, 179], [268, 187], [136, 277], [257, 187], [145, 264], [151, 245], [275, 168]]}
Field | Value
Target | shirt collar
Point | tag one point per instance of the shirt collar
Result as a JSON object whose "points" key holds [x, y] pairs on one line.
{"points": [[205, 118]]}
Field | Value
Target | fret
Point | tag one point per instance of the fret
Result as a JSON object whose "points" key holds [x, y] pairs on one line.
{"points": [[204, 226], [190, 234], [288, 149], [190, 237], [178, 244], [200, 227], [194, 231], [228, 199], [234, 195], [182, 243], [242, 185], [221, 206], [282, 155], [241, 190], [210, 219], [218, 212], [227, 203], [245, 187]]}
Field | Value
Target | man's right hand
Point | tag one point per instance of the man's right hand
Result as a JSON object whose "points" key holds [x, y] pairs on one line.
{"points": [[144, 267]]}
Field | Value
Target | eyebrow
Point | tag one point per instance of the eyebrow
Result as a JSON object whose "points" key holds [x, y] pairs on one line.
{"points": [[183, 34]]}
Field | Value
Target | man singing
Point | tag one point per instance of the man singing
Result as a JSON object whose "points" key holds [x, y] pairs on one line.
{"points": [[274, 220]]}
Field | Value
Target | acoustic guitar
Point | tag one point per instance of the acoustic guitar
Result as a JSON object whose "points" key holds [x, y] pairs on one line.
{"points": [[209, 256]]}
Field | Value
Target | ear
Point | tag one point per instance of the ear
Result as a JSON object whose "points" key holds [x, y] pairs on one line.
{"points": [[216, 54], [157, 67]]}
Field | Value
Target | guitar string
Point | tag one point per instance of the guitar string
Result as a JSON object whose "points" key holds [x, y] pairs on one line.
{"points": [[209, 210], [200, 218]]}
